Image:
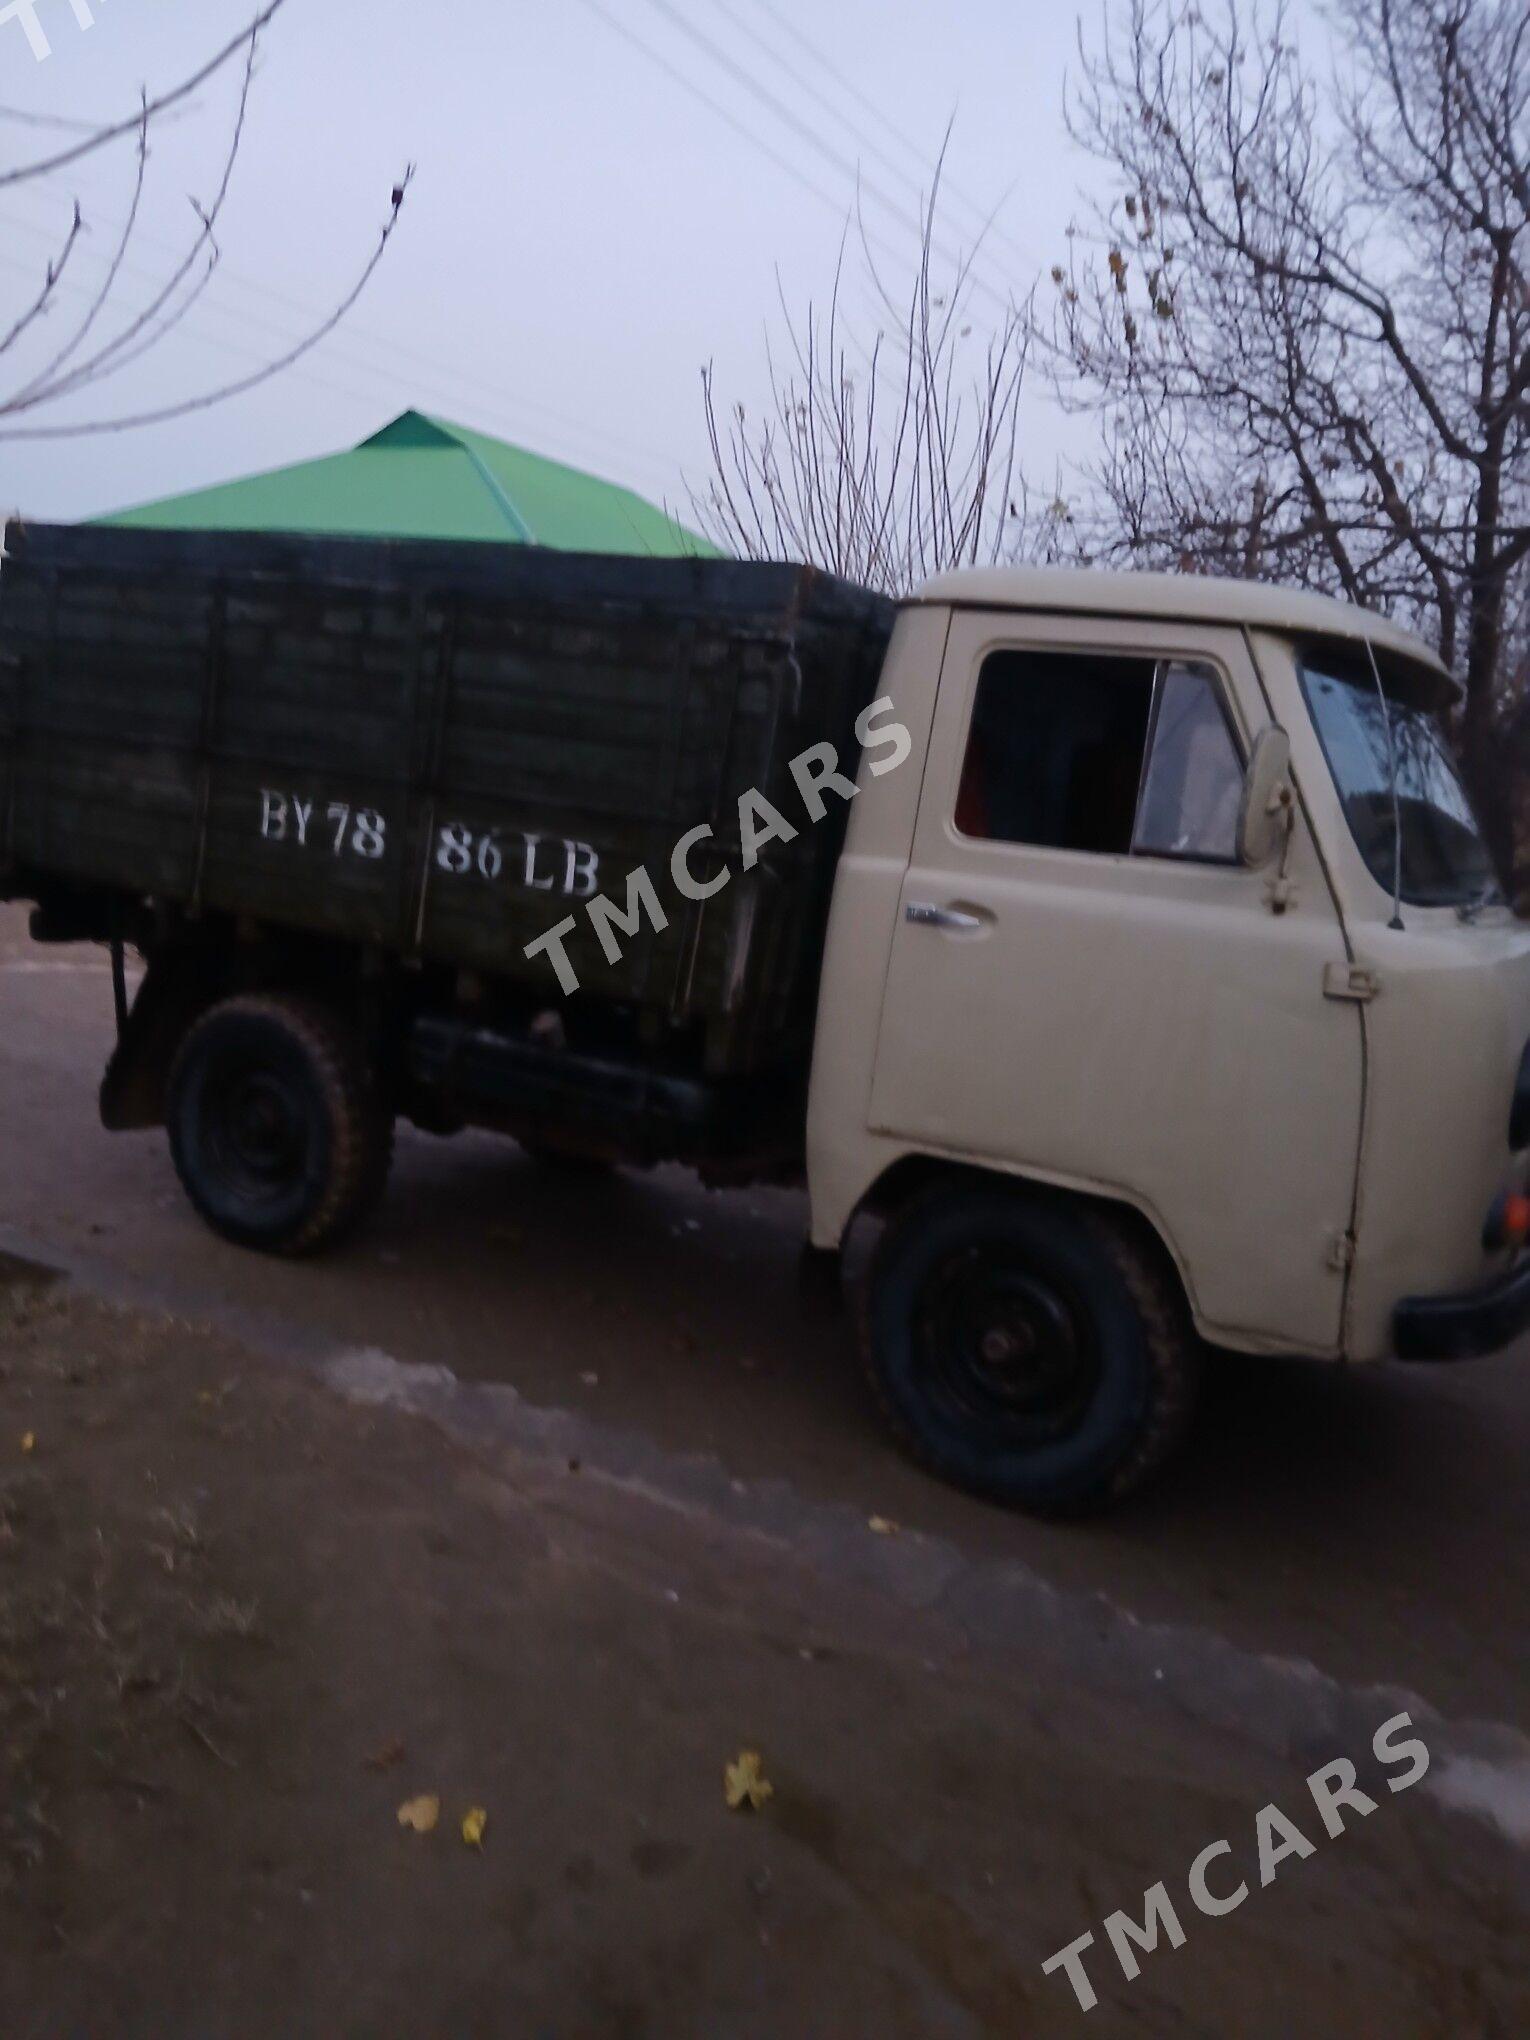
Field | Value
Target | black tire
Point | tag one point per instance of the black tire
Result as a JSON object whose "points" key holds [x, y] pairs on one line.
{"points": [[1029, 1350], [277, 1132]]}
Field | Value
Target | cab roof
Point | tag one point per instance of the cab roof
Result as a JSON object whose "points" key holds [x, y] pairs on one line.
{"points": [[1177, 598]]}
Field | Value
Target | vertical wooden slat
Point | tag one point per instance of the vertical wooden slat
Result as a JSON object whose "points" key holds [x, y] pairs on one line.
{"points": [[430, 775], [207, 723], [12, 680]]}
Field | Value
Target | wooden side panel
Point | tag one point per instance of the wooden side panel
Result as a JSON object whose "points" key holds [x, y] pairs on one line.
{"points": [[108, 694], [440, 751], [312, 748]]}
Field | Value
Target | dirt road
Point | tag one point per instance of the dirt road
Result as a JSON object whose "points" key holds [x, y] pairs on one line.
{"points": [[245, 1622], [1070, 1714], [1377, 1524]]}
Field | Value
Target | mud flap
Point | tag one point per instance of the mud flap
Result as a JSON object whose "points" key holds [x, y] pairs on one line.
{"points": [[133, 1088]]}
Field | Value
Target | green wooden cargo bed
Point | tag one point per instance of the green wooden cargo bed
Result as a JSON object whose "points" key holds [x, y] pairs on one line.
{"points": [[434, 752]]}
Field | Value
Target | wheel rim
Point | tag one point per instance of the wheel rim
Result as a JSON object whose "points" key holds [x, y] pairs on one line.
{"points": [[1006, 1348], [257, 1129]]}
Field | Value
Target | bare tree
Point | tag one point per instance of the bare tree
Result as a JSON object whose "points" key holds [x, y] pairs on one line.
{"points": [[79, 337], [882, 458], [1303, 317]]}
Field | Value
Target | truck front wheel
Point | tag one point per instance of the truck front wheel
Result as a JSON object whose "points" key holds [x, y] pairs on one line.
{"points": [[1029, 1350], [275, 1126]]}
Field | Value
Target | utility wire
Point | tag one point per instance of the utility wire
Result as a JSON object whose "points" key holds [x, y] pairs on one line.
{"points": [[922, 184], [388, 344], [307, 373], [723, 113], [615, 452], [225, 393], [864, 99], [810, 135], [872, 240]]}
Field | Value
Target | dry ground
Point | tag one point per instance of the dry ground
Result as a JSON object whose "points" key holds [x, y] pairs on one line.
{"points": [[243, 1620]]}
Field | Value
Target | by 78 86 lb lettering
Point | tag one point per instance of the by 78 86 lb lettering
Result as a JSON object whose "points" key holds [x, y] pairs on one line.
{"points": [[547, 864]]}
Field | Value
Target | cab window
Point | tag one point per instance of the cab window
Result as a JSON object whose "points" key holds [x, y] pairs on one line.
{"points": [[1054, 756], [1193, 785], [1077, 751]]}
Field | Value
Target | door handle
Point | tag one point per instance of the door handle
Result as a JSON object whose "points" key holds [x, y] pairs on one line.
{"points": [[926, 914]]}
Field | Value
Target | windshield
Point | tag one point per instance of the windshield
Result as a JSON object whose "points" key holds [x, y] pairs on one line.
{"points": [[1444, 859]]}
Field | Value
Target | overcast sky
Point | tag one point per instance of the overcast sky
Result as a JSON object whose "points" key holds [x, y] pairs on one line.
{"points": [[607, 190]]}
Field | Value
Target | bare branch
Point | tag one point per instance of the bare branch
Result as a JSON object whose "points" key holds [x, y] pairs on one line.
{"points": [[100, 138], [76, 364], [52, 277], [1302, 322], [883, 457], [225, 391]]}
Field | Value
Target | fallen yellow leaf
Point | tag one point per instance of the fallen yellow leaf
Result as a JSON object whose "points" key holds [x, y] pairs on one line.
{"points": [[29, 1441], [884, 1526], [745, 1783], [473, 1824], [420, 1814]]}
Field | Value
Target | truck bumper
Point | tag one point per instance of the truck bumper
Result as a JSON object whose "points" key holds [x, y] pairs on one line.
{"points": [[1466, 1325]]}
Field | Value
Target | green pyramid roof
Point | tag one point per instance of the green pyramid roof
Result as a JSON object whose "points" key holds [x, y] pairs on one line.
{"points": [[423, 478]]}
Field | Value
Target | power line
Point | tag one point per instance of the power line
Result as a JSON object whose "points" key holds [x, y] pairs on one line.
{"points": [[677, 77], [864, 99], [922, 185], [810, 135], [718, 56], [614, 452], [389, 345], [203, 339], [722, 112], [652, 484]]}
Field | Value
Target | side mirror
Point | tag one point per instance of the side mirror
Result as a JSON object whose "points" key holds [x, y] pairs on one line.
{"points": [[1268, 798]]}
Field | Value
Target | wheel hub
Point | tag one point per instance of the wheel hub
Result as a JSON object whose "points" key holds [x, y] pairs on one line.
{"points": [[1002, 1345], [262, 1126], [1007, 1347]]}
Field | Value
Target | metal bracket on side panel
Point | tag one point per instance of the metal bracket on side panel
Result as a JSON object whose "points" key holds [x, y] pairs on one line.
{"points": [[1341, 1252], [1350, 981]]}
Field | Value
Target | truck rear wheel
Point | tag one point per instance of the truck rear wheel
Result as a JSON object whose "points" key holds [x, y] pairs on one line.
{"points": [[1033, 1352], [277, 1132]]}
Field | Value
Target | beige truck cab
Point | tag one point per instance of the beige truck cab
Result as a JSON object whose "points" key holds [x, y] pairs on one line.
{"points": [[1168, 1003]]}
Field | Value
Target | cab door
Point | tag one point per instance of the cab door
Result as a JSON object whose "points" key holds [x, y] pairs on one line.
{"points": [[1085, 986]]}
